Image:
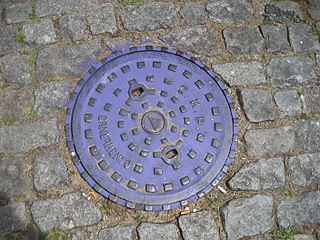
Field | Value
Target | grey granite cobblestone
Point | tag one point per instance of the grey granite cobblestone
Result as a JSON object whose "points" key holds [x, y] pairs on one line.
{"points": [[8, 43], [283, 12], [159, 231], [302, 39], [51, 7], [276, 40], [50, 170], [248, 216], [14, 177], [14, 217], [39, 33], [51, 96], [230, 11], [68, 60], [260, 175], [26, 137], [241, 73], [102, 20], [243, 40], [313, 8], [193, 13], [19, 12], [291, 71], [15, 104], [118, 232], [199, 40], [310, 100], [69, 211], [305, 169], [288, 102], [258, 105], [301, 210], [308, 134], [149, 17], [73, 26], [269, 141], [16, 69], [199, 225]]}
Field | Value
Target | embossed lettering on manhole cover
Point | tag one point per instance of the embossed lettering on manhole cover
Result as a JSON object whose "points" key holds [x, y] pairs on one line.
{"points": [[151, 128]]}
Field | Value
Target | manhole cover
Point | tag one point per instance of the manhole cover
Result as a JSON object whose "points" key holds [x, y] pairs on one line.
{"points": [[151, 128]]}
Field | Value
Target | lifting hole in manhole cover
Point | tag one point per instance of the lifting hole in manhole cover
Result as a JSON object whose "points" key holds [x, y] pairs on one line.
{"points": [[151, 128]]}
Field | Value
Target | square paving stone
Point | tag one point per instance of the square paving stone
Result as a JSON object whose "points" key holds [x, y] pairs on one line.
{"points": [[241, 73], [66, 212], [199, 225], [248, 216], [18, 12], [288, 102], [258, 105], [50, 171], [14, 217], [118, 233], [310, 99], [313, 8], [73, 26], [308, 134], [199, 40], [243, 40], [51, 7], [66, 60], [26, 137], [159, 231], [301, 210], [39, 33], [305, 170], [193, 13], [51, 96], [102, 20], [283, 12], [291, 71], [276, 40], [302, 39], [14, 177], [8, 42], [149, 17], [230, 11], [15, 104], [269, 141], [260, 175], [16, 69]]}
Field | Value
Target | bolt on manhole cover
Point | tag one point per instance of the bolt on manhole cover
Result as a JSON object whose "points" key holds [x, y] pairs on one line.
{"points": [[151, 128]]}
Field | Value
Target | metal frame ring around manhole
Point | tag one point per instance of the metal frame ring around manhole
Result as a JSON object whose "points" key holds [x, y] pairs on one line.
{"points": [[151, 128]]}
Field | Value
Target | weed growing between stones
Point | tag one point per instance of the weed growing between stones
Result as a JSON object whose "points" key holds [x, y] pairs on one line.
{"points": [[8, 121], [140, 218], [286, 233], [29, 112], [54, 235], [20, 38], [32, 60]]}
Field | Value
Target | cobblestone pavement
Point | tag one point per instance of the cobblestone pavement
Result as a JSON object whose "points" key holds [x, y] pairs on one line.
{"points": [[266, 51]]}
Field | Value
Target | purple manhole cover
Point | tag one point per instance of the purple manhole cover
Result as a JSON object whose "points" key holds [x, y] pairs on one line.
{"points": [[151, 128]]}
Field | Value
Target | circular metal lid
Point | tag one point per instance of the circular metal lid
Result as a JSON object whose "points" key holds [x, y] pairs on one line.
{"points": [[151, 128]]}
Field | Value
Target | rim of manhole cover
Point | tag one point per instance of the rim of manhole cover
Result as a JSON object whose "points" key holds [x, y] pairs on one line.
{"points": [[151, 128]]}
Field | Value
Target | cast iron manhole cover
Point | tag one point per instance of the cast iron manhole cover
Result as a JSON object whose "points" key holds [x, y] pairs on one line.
{"points": [[151, 128]]}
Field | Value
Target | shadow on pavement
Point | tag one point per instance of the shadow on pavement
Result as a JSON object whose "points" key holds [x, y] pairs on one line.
{"points": [[14, 221]]}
